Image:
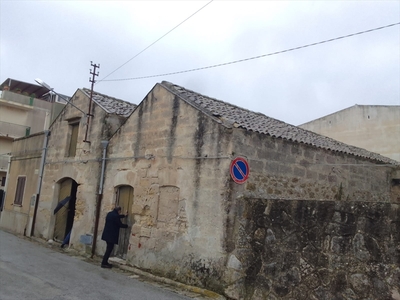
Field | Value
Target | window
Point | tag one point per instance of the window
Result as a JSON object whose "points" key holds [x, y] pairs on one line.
{"points": [[74, 129], [3, 181], [19, 192]]}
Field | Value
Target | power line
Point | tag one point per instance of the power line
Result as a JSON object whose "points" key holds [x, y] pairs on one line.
{"points": [[259, 56], [155, 42]]}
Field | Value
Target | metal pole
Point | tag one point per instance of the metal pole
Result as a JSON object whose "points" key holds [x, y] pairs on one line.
{"points": [[39, 186], [99, 197]]}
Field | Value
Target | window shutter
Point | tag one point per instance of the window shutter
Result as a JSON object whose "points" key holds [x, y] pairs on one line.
{"points": [[74, 139], [19, 193]]}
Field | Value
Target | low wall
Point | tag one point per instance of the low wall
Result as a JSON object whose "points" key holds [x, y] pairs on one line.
{"points": [[298, 249], [14, 222]]}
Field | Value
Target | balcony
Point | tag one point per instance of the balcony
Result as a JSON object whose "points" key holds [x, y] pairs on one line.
{"points": [[13, 130], [15, 98]]}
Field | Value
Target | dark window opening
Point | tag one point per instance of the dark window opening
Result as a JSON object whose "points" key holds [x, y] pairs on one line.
{"points": [[19, 192]]}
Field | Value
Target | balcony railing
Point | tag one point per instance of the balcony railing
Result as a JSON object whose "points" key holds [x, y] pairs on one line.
{"points": [[18, 98], [13, 130]]}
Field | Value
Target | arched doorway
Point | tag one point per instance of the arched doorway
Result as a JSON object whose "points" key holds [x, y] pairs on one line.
{"points": [[124, 198], [66, 212]]}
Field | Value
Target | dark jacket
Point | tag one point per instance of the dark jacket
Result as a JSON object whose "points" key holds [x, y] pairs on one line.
{"points": [[111, 229]]}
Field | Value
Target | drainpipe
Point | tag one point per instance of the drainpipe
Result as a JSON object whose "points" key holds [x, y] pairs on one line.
{"points": [[39, 186], [104, 145]]}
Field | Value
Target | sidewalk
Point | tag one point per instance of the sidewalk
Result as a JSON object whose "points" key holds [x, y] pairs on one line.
{"points": [[120, 266]]}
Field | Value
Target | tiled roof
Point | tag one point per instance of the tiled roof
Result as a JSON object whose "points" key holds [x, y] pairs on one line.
{"points": [[234, 116], [112, 105]]}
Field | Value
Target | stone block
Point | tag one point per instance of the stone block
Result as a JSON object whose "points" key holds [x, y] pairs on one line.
{"points": [[136, 209], [234, 263], [360, 284], [145, 232], [299, 172], [134, 241], [135, 231]]}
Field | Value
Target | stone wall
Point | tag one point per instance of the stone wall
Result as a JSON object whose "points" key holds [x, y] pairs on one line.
{"points": [[288, 170], [307, 249], [311, 224]]}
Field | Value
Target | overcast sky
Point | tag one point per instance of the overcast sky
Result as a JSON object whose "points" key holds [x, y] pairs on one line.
{"points": [[56, 41]]}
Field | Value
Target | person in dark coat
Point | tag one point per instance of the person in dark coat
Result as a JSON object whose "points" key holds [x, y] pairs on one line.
{"points": [[111, 233]]}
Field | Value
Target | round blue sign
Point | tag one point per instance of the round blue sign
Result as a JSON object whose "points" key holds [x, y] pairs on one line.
{"points": [[239, 170]]}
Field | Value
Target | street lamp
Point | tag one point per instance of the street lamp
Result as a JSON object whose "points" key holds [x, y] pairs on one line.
{"points": [[45, 85]]}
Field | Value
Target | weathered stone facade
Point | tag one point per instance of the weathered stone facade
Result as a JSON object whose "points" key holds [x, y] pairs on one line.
{"points": [[191, 222], [311, 224], [175, 159], [316, 219], [83, 168]]}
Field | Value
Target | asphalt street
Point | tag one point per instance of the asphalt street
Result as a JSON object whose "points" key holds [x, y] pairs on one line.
{"points": [[29, 270]]}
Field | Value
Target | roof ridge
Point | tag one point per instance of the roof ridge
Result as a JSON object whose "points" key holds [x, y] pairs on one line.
{"points": [[110, 104], [87, 90]]}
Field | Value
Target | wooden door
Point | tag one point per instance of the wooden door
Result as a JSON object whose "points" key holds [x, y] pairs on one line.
{"points": [[125, 200], [62, 214]]}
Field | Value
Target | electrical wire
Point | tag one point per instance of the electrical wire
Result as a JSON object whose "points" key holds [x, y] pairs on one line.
{"points": [[153, 42], [259, 56]]}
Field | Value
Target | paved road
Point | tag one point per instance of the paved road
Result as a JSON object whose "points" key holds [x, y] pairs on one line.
{"points": [[31, 271]]}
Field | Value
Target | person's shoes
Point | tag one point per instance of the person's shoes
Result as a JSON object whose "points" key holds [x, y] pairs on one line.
{"points": [[62, 246], [107, 266]]}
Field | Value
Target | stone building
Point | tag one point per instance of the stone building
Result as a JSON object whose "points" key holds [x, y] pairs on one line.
{"points": [[316, 218], [72, 151], [372, 127], [22, 183], [303, 226]]}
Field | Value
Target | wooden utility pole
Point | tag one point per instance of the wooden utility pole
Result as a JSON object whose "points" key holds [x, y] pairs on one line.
{"points": [[89, 114]]}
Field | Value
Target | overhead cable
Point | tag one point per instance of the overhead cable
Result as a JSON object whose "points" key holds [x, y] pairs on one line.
{"points": [[153, 43], [256, 57]]}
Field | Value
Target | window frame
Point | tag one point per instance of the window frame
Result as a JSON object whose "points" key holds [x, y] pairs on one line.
{"points": [[73, 137], [20, 190]]}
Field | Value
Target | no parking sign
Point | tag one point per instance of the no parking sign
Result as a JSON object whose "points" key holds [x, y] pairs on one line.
{"points": [[239, 170]]}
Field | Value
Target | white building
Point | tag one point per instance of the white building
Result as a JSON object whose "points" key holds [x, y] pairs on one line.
{"points": [[373, 127]]}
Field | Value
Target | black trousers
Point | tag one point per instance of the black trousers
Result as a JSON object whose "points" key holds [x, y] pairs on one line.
{"points": [[110, 247]]}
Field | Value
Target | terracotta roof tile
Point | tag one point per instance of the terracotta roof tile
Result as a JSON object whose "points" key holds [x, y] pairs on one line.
{"points": [[112, 105], [231, 115]]}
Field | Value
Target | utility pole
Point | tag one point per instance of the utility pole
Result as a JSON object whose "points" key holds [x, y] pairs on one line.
{"points": [[92, 80]]}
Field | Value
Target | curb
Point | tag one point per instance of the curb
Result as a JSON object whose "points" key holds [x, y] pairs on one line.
{"points": [[121, 265], [194, 289]]}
